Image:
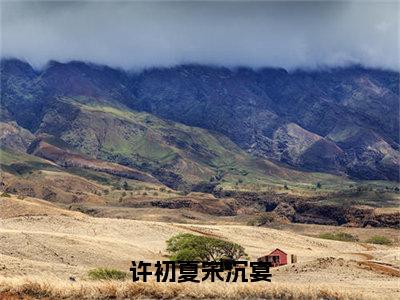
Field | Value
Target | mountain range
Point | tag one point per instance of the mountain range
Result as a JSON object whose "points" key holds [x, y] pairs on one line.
{"points": [[192, 124]]}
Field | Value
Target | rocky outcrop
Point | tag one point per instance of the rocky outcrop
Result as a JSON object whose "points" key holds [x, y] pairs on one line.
{"points": [[203, 204], [314, 210], [316, 213]]}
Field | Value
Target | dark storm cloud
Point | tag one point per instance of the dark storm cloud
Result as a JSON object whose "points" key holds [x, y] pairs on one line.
{"points": [[138, 34]]}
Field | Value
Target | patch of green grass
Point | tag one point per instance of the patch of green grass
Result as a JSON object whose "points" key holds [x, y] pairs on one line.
{"points": [[19, 163], [338, 236], [379, 240], [8, 157], [107, 274]]}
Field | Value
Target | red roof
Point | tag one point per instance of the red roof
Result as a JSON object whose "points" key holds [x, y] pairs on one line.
{"points": [[278, 250]]}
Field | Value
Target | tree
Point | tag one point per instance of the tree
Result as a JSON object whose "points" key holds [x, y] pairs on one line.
{"points": [[318, 185], [188, 246]]}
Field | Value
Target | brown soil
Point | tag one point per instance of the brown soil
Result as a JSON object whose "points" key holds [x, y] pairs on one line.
{"points": [[380, 268]]}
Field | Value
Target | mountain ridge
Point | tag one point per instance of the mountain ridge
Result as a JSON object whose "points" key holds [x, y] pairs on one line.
{"points": [[340, 121]]}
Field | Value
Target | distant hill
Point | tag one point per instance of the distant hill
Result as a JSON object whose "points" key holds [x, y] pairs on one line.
{"points": [[236, 122]]}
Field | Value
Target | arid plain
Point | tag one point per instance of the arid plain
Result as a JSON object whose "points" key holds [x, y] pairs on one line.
{"points": [[45, 246]]}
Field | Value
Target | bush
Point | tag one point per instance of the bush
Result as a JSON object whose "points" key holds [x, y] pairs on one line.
{"points": [[126, 186], [106, 274], [338, 236], [5, 194], [380, 240], [189, 247]]}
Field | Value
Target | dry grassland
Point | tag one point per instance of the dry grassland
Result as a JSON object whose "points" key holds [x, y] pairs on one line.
{"points": [[42, 246]]}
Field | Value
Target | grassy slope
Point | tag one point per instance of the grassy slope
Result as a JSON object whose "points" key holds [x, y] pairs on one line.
{"points": [[198, 154], [150, 143], [28, 175], [19, 163]]}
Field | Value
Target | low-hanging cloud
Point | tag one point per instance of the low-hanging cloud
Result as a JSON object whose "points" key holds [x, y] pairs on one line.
{"points": [[134, 35]]}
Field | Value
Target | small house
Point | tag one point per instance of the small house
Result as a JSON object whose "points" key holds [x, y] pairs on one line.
{"points": [[276, 258]]}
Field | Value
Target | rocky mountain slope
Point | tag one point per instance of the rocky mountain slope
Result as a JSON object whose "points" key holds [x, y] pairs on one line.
{"points": [[337, 121]]}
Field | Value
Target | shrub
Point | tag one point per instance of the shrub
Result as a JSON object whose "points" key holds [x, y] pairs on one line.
{"points": [[380, 240], [5, 194], [125, 186], [106, 274], [338, 236], [188, 247]]}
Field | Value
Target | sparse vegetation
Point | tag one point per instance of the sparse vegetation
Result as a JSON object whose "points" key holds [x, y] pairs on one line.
{"points": [[57, 289], [106, 274], [5, 194], [338, 236], [379, 240], [186, 246]]}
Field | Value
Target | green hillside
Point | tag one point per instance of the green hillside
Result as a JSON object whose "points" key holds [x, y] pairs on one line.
{"points": [[179, 155]]}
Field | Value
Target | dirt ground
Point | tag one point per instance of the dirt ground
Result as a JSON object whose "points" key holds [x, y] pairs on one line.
{"points": [[41, 240]]}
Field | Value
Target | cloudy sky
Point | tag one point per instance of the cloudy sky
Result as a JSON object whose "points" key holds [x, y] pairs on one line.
{"points": [[134, 34]]}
